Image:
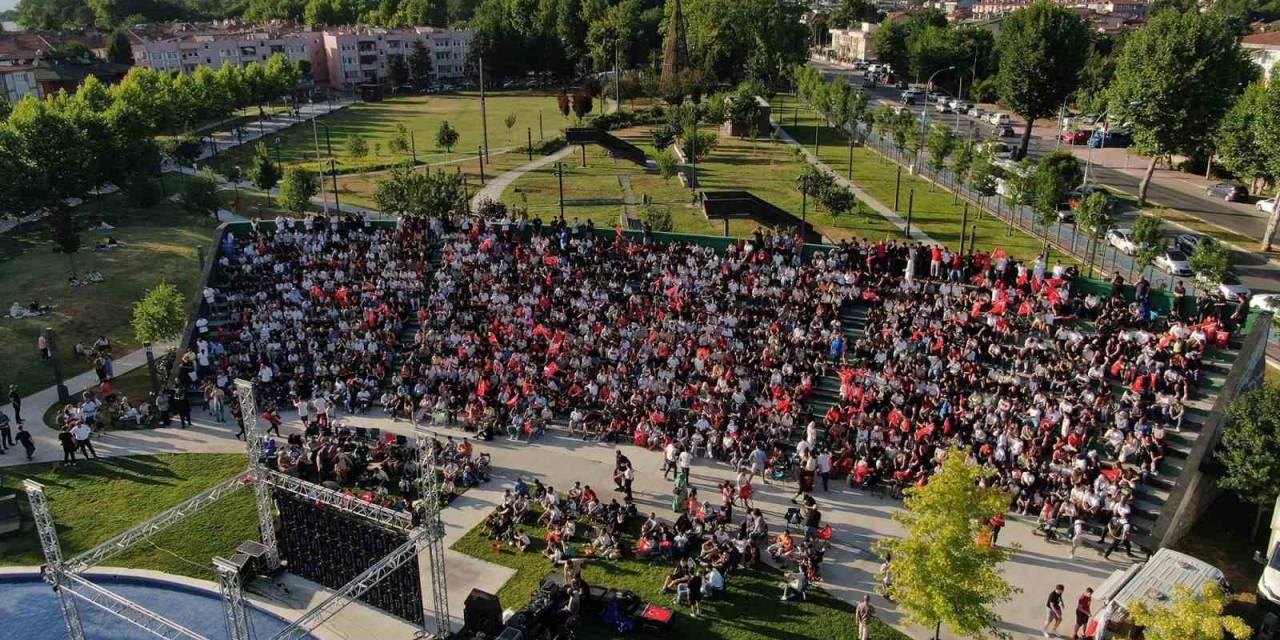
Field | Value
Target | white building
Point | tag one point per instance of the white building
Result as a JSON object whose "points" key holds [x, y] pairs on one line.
{"points": [[18, 82], [357, 56], [1264, 50], [855, 44]]}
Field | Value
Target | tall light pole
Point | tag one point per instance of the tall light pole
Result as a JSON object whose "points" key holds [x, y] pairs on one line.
{"points": [[924, 121], [484, 114]]}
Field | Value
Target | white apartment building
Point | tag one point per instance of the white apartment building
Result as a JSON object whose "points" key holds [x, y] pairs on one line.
{"points": [[855, 44], [340, 58], [1264, 51], [358, 56]]}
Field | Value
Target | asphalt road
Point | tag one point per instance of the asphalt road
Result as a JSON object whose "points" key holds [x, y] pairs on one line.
{"points": [[1253, 269]]}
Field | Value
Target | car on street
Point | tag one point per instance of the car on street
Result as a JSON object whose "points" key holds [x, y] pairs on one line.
{"points": [[942, 107], [974, 111], [1065, 213], [1228, 191], [1079, 136], [1187, 242], [1230, 287], [870, 82], [911, 96], [1174, 263], [960, 106], [1005, 131], [1122, 240], [998, 150], [1115, 138], [1078, 194], [1267, 205], [1266, 302], [998, 118]]}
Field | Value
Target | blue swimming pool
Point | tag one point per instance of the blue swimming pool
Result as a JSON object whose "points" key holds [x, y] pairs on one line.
{"points": [[29, 610]]}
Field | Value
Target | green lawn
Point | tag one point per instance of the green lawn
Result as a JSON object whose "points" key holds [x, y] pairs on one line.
{"points": [[157, 243], [750, 611], [421, 115], [358, 188], [93, 501], [935, 210]]}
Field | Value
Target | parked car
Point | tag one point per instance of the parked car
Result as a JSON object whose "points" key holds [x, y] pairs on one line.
{"points": [[942, 107], [998, 118], [1114, 138], [1267, 205], [910, 96], [998, 149], [870, 82], [1266, 302], [1079, 136], [1150, 583], [1227, 191], [1230, 288], [1066, 214], [1006, 131], [1187, 242], [1122, 240], [1174, 263], [960, 106], [1078, 194]]}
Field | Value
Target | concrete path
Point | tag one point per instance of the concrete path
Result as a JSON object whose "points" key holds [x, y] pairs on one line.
{"points": [[493, 190], [877, 206]]}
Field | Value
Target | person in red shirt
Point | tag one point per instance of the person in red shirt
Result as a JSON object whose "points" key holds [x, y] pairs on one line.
{"points": [[1084, 609]]}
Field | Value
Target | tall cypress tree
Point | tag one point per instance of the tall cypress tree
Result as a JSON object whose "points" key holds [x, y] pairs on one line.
{"points": [[675, 56]]}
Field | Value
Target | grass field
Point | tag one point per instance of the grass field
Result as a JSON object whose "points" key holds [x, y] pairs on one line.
{"points": [[935, 210], [358, 189], [750, 610], [156, 244], [421, 115], [93, 501]]}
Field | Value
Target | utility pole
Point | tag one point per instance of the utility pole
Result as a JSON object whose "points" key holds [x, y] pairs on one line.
{"points": [[540, 136], [529, 134], [850, 157], [484, 114], [480, 156], [333, 171], [617, 77], [964, 224], [560, 177], [897, 188], [413, 146], [911, 204]]}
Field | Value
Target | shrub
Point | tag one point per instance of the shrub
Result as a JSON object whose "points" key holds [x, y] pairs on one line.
{"points": [[546, 147], [663, 136], [658, 217]]}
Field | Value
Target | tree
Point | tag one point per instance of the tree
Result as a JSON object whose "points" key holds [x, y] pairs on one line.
{"points": [[65, 231], [982, 172], [297, 189], [940, 143], [1174, 81], [357, 146], [1056, 175], [160, 315], [420, 64], [658, 217], [962, 162], [1249, 144], [1210, 261], [509, 122], [1148, 241], [1042, 49], [852, 12], [1190, 616], [697, 145], [427, 194], [675, 55], [1250, 449], [940, 572], [812, 183], [838, 200], [583, 101], [119, 51], [563, 103], [397, 71], [446, 136], [263, 173], [744, 112], [667, 163], [1095, 216], [399, 143], [200, 194]]}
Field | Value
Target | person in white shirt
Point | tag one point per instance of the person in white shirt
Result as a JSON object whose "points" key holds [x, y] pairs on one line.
{"points": [[683, 462], [304, 410], [669, 459], [81, 433], [824, 468]]}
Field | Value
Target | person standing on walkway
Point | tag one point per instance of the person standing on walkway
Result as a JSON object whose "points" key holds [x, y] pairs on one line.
{"points": [[16, 401], [824, 468], [6, 433], [182, 407], [669, 459], [218, 403], [162, 405], [81, 432], [1084, 609], [68, 447], [628, 476], [865, 613], [1053, 611], [24, 439]]}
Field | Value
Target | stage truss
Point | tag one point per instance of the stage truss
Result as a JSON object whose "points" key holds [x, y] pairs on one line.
{"points": [[70, 584]]}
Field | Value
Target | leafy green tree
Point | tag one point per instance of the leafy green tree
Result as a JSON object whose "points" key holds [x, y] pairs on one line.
{"points": [[1042, 48], [658, 217], [940, 572], [1095, 216], [667, 163], [837, 200], [1250, 449], [357, 146], [420, 64], [297, 189], [509, 122], [1174, 80], [200, 194], [982, 172], [119, 50], [1210, 261], [1190, 616], [64, 228], [397, 71], [160, 315], [446, 137], [697, 145], [744, 112], [1148, 240], [940, 143], [423, 194], [851, 13], [812, 183], [263, 173], [1056, 175], [962, 162], [1249, 144], [399, 142]]}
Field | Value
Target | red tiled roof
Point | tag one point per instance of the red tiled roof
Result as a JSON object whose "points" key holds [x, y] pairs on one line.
{"points": [[1269, 39]]}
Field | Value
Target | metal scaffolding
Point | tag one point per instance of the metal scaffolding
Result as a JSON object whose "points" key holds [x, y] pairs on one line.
{"points": [[53, 573], [429, 503], [396, 520], [125, 609], [402, 555], [258, 468], [233, 607]]}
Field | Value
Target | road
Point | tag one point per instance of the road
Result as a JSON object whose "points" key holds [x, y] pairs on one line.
{"points": [[1115, 169]]}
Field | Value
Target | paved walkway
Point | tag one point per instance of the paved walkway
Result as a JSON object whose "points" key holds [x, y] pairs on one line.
{"points": [[493, 190], [877, 206]]}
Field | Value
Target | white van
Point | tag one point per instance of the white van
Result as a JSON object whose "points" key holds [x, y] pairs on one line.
{"points": [[1152, 582]]}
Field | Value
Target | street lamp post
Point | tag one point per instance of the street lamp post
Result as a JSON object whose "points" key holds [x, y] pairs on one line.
{"points": [[924, 120], [51, 344]]}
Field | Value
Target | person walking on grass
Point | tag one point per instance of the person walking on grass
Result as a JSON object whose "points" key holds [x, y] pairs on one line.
{"points": [[864, 613], [1053, 611]]}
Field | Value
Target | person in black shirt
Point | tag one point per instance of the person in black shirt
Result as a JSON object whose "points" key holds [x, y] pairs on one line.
{"points": [[1053, 616], [812, 520], [695, 593], [24, 439], [16, 401]]}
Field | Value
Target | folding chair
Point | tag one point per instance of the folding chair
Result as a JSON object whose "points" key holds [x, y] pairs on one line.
{"points": [[682, 594]]}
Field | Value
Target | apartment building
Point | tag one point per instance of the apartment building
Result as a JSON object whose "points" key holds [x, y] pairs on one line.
{"points": [[1264, 51], [341, 58], [855, 44], [18, 82], [362, 55]]}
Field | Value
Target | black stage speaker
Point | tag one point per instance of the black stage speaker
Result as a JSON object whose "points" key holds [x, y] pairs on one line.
{"points": [[482, 612]]}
